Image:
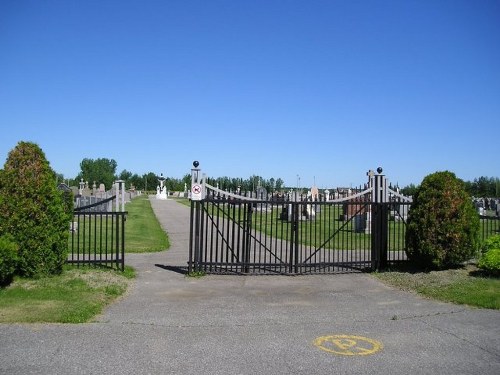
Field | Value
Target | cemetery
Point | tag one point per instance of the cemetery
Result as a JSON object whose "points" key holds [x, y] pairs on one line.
{"points": [[349, 230], [287, 231]]}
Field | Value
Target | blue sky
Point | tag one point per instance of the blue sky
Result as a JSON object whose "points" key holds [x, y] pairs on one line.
{"points": [[324, 90]]}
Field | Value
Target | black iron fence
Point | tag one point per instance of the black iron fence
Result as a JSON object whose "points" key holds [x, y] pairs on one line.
{"points": [[97, 237], [273, 237], [489, 226], [269, 237]]}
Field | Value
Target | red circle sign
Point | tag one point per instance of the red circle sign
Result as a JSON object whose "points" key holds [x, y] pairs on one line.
{"points": [[196, 189]]}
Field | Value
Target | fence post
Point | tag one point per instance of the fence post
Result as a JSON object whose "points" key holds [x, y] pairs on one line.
{"points": [[194, 238], [379, 224], [197, 194], [117, 241], [191, 240], [294, 251], [384, 230], [123, 217], [247, 231], [374, 237]]}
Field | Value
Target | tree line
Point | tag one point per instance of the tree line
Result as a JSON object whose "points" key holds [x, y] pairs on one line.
{"points": [[482, 187], [103, 170]]}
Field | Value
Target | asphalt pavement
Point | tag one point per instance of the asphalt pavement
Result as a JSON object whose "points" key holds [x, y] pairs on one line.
{"points": [[172, 324]]}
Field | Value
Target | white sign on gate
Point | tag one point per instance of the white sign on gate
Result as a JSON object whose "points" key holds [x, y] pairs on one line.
{"points": [[196, 192], [196, 183]]}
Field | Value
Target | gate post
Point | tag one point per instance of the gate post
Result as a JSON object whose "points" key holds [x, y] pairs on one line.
{"points": [[379, 224], [120, 195], [374, 237], [294, 238], [194, 238], [191, 238], [247, 236], [197, 194]]}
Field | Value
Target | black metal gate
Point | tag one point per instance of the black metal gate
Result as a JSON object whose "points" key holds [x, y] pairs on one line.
{"points": [[267, 237], [98, 236]]}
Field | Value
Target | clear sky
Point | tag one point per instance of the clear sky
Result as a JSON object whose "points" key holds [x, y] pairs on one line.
{"points": [[324, 90]]}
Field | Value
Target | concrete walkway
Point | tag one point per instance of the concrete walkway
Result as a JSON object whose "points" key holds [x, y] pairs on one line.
{"points": [[173, 324]]}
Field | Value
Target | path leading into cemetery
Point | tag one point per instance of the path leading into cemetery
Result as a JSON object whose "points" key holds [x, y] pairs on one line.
{"points": [[173, 324]]}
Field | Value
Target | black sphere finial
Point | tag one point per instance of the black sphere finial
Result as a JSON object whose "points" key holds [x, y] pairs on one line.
{"points": [[379, 170], [196, 163]]}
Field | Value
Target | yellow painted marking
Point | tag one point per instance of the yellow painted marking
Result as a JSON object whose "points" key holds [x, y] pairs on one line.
{"points": [[348, 345]]}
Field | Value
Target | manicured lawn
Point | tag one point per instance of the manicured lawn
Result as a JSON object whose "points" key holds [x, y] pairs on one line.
{"points": [[97, 234], [143, 232], [327, 230], [80, 294], [466, 285], [76, 296]]}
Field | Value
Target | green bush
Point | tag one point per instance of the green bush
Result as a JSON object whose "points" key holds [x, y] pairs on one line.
{"points": [[490, 262], [490, 243], [443, 226], [8, 259], [33, 211]]}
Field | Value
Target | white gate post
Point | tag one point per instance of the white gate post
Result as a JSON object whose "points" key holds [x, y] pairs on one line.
{"points": [[380, 187], [120, 195], [197, 183]]}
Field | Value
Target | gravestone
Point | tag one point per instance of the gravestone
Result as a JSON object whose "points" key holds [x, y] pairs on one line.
{"points": [[354, 208], [493, 204], [359, 223], [261, 192], [327, 195], [400, 212], [314, 194]]}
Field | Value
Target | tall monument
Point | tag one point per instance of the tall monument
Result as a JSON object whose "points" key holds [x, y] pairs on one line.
{"points": [[161, 190]]}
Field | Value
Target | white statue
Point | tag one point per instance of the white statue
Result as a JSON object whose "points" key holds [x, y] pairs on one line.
{"points": [[161, 190]]}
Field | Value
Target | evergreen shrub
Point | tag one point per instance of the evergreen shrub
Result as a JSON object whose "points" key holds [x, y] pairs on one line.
{"points": [[33, 211], [443, 226]]}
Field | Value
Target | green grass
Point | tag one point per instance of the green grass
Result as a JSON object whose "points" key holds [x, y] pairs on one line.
{"points": [[184, 201], [466, 285], [76, 296], [143, 232], [326, 231]]}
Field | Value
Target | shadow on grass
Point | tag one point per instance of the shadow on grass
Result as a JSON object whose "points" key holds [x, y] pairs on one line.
{"points": [[405, 267], [471, 268], [479, 273]]}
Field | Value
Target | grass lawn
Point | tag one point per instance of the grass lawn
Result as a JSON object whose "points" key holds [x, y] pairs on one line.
{"points": [[143, 232], [467, 285], [184, 201], [75, 296], [80, 294]]}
